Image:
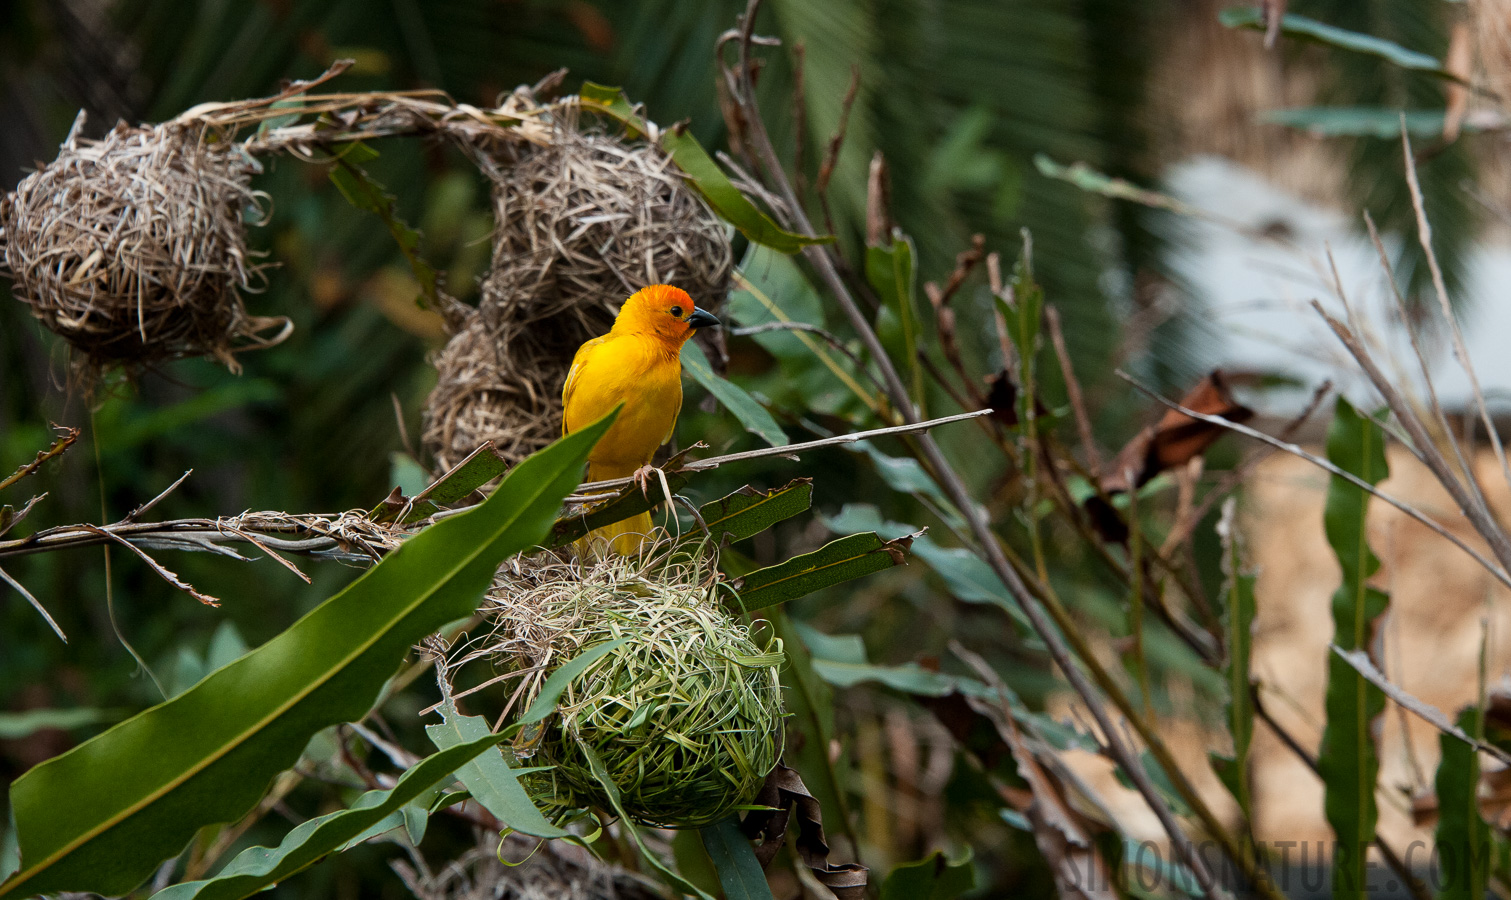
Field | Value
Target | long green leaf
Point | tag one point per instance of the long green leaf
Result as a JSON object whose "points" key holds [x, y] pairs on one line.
{"points": [[749, 512], [1303, 28], [734, 398], [734, 859], [489, 777], [703, 173], [1464, 848], [1238, 628], [365, 193], [835, 562], [890, 272], [257, 868], [611, 790], [932, 878], [1360, 121], [1348, 762], [102, 816]]}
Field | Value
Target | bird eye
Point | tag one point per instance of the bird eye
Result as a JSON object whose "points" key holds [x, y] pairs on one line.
{"points": [[677, 311]]}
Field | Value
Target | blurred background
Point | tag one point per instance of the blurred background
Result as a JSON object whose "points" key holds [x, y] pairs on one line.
{"points": [[961, 97]]}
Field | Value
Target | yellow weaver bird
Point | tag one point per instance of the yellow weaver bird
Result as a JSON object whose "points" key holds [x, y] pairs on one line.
{"points": [[637, 364]]}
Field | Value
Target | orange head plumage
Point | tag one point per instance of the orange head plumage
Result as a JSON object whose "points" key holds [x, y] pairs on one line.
{"points": [[663, 311]]}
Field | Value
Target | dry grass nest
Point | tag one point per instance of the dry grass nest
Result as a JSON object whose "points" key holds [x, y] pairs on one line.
{"points": [[133, 247], [581, 224], [685, 716]]}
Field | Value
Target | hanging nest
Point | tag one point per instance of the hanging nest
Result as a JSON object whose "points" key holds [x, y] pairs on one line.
{"points": [[582, 223], [589, 220], [686, 716], [133, 247], [484, 394]]}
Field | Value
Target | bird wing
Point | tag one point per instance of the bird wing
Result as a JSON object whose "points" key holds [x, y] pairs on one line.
{"points": [[579, 362], [675, 413]]}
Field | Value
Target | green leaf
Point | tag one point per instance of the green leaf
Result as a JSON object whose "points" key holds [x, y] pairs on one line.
{"points": [[102, 816], [1348, 762], [1360, 121], [702, 172], [749, 512], [258, 868], [1463, 845], [489, 777], [967, 576], [739, 871], [17, 725], [890, 272], [910, 678], [931, 878], [835, 562], [480, 467], [1238, 633], [1024, 317], [630, 502], [734, 398], [905, 474], [611, 790], [365, 193], [1313, 31], [226, 646]]}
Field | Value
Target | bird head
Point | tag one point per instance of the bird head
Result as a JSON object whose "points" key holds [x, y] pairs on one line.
{"points": [[665, 311]]}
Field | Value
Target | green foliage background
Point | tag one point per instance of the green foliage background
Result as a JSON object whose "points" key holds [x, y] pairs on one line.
{"points": [[957, 94]]}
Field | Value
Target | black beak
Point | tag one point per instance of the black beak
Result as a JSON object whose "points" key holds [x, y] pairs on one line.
{"points": [[702, 319]]}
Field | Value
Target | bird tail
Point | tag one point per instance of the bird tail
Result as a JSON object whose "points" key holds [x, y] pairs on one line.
{"points": [[624, 538]]}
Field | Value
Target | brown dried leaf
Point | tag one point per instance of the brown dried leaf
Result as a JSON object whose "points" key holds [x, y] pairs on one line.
{"points": [[1177, 438], [785, 792], [878, 203]]}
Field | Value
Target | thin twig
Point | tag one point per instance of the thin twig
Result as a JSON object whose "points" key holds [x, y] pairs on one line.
{"points": [[145, 507], [703, 465], [1460, 351], [831, 155], [832, 339], [1467, 498], [1073, 392], [1496, 571], [36, 604]]}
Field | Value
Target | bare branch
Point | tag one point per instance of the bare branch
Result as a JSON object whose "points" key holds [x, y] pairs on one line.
{"points": [[36, 604]]}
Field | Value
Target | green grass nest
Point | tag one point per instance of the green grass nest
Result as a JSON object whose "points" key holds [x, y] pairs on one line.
{"points": [[686, 716]]}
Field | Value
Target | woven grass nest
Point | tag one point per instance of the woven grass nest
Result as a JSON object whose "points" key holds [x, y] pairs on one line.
{"points": [[686, 716], [133, 247], [581, 224]]}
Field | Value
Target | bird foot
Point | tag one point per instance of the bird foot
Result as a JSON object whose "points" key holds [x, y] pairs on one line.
{"points": [[643, 477]]}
